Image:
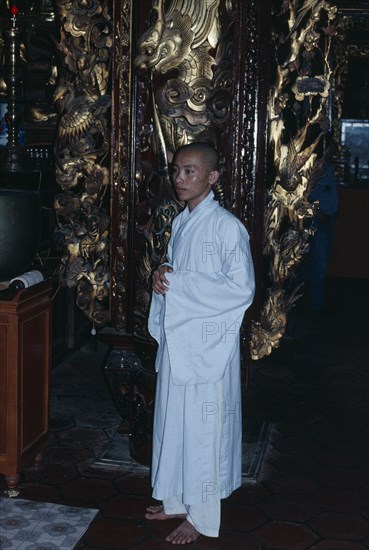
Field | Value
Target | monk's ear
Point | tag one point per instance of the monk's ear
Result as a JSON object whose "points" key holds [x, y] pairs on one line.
{"points": [[213, 176]]}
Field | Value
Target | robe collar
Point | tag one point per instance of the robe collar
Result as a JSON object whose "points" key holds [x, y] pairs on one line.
{"points": [[189, 219], [209, 200]]}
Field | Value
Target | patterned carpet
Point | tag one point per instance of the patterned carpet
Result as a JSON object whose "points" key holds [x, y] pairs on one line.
{"points": [[27, 525]]}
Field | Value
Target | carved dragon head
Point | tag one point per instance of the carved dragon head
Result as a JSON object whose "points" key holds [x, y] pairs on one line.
{"points": [[166, 43]]}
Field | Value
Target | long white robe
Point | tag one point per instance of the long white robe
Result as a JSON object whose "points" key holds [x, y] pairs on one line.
{"points": [[197, 423]]}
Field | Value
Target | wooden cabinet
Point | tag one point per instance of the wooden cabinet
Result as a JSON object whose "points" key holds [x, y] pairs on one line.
{"points": [[25, 327]]}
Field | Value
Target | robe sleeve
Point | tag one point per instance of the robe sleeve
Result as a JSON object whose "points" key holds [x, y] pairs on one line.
{"points": [[204, 310]]}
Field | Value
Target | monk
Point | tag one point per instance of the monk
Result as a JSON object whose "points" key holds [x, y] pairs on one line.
{"points": [[200, 295]]}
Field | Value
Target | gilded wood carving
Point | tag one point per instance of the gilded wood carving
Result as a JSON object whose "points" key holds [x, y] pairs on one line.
{"points": [[297, 125], [121, 166], [181, 114], [184, 91], [82, 144]]}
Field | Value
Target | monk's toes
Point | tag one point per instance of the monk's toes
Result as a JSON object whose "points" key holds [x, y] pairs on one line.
{"points": [[154, 512], [154, 509], [184, 534]]}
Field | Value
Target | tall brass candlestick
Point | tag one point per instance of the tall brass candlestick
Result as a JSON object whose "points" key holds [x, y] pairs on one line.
{"points": [[14, 157]]}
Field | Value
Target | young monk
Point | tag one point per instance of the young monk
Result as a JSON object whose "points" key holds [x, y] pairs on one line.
{"points": [[200, 296]]}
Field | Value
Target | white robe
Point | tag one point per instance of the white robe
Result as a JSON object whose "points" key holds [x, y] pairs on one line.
{"points": [[197, 423]]}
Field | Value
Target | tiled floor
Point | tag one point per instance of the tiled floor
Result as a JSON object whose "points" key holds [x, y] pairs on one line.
{"points": [[312, 489]]}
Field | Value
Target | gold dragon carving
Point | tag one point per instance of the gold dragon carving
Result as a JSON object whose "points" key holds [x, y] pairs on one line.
{"points": [[297, 124], [192, 104], [82, 143], [181, 39]]}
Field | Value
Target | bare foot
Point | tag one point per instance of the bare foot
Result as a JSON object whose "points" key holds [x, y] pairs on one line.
{"points": [[157, 512], [184, 534]]}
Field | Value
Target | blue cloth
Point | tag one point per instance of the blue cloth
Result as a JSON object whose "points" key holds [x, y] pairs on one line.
{"points": [[326, 191], [313, 272]]}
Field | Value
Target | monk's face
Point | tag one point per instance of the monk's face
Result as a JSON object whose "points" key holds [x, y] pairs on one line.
{"points": [[193, 177]]}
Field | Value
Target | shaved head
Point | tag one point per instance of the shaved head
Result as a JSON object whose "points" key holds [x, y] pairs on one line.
{"points": [[210, 155]]}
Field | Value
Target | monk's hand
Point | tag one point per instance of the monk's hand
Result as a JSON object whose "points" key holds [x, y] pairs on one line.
{"points": [[159, 281]]}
